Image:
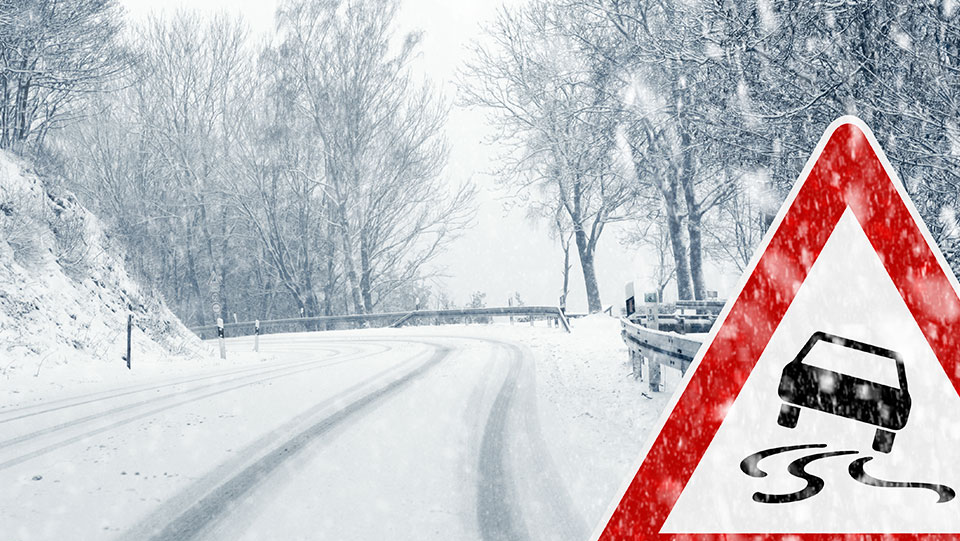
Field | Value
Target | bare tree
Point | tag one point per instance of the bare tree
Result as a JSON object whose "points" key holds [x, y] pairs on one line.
{"points": [[564, 234], [381, 138], [553, 107], [52, 54], [195, 75], [155, 161], [279, 191]]}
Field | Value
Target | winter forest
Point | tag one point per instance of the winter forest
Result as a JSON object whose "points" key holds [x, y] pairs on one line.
{"points": [[306, 173]]}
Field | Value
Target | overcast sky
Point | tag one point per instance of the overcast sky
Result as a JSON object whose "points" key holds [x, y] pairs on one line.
{"points": [[503, 251]]}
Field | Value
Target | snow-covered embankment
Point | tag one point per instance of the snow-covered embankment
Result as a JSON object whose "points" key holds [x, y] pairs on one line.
{"points": [[65, 295]]}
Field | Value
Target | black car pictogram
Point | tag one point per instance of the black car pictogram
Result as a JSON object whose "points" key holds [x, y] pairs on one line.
{"points": [[808, 386]]}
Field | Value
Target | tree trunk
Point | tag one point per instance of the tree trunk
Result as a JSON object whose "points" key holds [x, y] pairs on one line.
{"points": [[312, 307], [224, 267], [365, 272], [349, 267], [195, 283], [675, 229], [5, 113], [696, 256], [265, 281], [565, 244], [329, 288], [585, 251], [693, 229]]}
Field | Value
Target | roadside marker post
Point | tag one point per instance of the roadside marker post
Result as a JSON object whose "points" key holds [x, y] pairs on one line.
{"points": [[256, 336], [129, 338], [223, 346], [825, 403]]}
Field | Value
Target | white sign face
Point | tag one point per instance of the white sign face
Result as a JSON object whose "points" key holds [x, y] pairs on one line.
{"points": [[847, 293]]}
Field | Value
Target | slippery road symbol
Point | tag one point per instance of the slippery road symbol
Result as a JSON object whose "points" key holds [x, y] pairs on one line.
{"points": [[797, 468], [808, 386], [866, 401]]}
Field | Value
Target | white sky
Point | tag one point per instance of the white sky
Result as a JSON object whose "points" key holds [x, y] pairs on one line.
{"points": [[502, 252]]}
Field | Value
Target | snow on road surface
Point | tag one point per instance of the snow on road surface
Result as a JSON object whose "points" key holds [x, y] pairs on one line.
{"points": [[458, 432]]}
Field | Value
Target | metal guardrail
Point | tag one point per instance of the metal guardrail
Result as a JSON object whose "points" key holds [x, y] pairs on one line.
{"points": [[682, 317], [385, 319], [714, 305], [652, 349]]}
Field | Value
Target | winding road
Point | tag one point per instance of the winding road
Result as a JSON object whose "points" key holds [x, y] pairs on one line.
{"points": [[371, 437]]}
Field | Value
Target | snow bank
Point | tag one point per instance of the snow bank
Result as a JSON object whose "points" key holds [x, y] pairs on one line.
{"points": [[64, 293], [593, 409]]}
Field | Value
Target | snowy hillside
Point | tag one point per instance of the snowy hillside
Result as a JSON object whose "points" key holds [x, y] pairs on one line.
{"points": [[64, 293]]}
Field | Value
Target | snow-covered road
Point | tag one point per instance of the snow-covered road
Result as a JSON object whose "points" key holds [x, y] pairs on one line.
{"points": [[412, 434]]}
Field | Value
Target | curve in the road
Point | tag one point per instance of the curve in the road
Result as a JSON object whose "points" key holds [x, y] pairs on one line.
{"points": [[212, 507]]}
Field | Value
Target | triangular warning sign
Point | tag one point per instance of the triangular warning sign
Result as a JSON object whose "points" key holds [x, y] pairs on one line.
{"points": [[825, 402]]}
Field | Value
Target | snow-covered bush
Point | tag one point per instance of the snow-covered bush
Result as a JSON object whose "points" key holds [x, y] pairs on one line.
{"points": [[21, 213]]}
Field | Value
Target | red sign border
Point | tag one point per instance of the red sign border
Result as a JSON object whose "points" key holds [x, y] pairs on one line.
{"points": [[847, 169]]}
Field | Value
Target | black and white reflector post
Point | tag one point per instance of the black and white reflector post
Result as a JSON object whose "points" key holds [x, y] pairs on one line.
{"points": [[223, 346], [256, 335], [129, 332]]}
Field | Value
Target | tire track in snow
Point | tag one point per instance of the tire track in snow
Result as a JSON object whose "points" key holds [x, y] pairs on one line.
{"points": [[154, 399], [63, 443], [92, 398], [194, 521], [498, 511], [535, 505], [548, 509]]}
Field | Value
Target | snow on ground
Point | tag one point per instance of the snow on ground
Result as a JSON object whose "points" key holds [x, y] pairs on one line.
{"points": [[421, 449], [99, 486], [65, 295], [593, 413]]}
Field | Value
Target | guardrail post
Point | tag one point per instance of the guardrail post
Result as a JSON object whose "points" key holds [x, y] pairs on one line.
{"points": [[653, 316], [636, 363], [256, 336], [654, 371], [562, 317], [129, 338], [223, 346]]}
